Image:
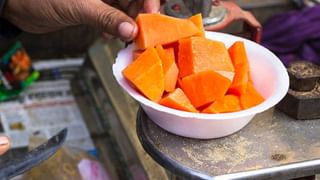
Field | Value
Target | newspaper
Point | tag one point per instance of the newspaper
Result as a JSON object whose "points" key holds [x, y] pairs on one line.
{"points": [[45, 108]]}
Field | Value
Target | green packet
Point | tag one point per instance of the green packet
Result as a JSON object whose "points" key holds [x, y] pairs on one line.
{"points": [[16, 72]]}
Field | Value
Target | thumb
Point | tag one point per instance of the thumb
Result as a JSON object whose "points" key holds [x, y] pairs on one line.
{"points": [[110, 20], [4, 144]]}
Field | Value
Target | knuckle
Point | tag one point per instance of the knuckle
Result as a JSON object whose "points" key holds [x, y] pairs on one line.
{"points": [[107, 18]]}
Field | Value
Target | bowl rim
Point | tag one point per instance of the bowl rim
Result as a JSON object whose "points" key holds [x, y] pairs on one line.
{"points": [[281, 86]]}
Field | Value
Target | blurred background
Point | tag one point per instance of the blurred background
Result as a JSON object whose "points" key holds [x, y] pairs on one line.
{"points": [[65, 43], [76, 90]]}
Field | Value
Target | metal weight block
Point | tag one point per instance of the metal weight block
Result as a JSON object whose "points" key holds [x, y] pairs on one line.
{"points": [[303, 98]]}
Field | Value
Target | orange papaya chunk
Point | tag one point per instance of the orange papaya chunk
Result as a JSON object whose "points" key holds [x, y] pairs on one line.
{"points": [[179, 83], [136, 54], [170, 53], [156, 29], [251, 97], [146, 74], [197, 54], [178, 100], [240, 80], [166, 60], [171, 76], [197, 20], [205, 87], [249, 77], [170, 68], [241, 64], [229, 103], [175, 47]]}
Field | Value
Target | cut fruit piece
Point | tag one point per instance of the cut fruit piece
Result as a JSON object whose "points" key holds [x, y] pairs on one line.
{"points": [[205, 87], [170, 53], [179, 83], [162, 29], [146, 74], [229, 103], [251, 97], [238, 53], [197, 20], [240, 80], [241, 64], [171, 76], [249, 76], [175, 47], [170, 68], [166, 60], [178, 100], [197, 54], [136, 54]]}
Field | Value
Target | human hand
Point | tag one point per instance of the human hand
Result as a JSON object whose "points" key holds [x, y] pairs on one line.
{"points": [[4, 144], [111, 16]]}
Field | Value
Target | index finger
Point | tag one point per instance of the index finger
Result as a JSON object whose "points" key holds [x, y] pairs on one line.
{"points": [[151, 6], [4, 144]]}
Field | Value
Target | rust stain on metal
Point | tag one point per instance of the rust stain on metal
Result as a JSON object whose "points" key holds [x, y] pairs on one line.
{"points": [[278, 157]]}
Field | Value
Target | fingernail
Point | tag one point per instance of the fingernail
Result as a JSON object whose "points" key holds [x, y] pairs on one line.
{"points": [[126, 30], [3, 140], [155, 10]]}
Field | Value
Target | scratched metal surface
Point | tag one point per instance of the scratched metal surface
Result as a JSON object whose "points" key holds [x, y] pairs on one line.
{"points": [[270, 139]]}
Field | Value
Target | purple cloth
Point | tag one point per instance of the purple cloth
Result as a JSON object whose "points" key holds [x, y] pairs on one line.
{"points": [[294, 35]]}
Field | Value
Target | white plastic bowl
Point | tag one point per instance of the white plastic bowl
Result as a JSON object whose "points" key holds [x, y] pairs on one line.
{"points": [[268, 74]]}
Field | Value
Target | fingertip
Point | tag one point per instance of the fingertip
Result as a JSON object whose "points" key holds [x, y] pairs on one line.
{"points": [[152, 6], [4, 144], [135, 32], [127, 31]]}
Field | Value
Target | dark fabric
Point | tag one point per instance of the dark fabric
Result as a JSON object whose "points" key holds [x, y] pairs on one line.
{"points": [[7, 30], [2, 3], [294, 35]]}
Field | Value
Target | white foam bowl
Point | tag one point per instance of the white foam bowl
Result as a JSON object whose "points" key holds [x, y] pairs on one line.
{"points": [[269, 77]]}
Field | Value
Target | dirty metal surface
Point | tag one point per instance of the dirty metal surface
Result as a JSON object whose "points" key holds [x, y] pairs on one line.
{"points": [[271, 146]]}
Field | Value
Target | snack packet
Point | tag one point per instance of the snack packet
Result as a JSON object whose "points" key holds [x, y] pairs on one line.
{"points": [[16, 72]]}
